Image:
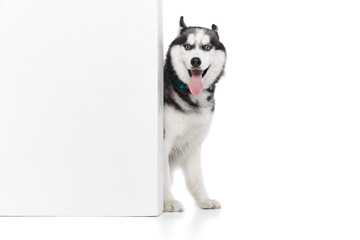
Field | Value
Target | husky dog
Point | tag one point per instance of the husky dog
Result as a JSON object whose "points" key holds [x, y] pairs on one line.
{"points": [[194, 64]]}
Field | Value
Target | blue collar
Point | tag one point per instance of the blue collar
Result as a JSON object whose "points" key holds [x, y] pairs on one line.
{"points": [[179, 84]]}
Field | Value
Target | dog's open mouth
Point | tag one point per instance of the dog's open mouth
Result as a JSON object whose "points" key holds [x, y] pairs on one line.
{"points": [[196, 84], [203, 72]]}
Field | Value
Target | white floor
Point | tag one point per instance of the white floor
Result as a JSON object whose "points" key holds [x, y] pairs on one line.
{"points": [[260, 201]]}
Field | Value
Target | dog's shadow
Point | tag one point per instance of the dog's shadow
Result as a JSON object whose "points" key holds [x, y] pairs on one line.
{"points": [[198, 222], [171, 224]]}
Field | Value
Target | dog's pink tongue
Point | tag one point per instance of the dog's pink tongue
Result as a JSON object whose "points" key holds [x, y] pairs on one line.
{"points": [[196, 85]]}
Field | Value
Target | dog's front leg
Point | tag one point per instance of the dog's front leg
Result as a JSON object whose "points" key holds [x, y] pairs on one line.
{"points": [[194, 180], [170, 203]]}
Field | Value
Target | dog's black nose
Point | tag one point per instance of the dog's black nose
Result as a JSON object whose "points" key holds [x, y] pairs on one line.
{"points": [[195, 62]]}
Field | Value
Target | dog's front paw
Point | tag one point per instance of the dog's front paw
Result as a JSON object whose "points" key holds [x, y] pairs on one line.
{"points": [[209, 204], [173, 206]]}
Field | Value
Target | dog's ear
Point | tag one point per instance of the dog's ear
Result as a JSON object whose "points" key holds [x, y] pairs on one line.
{"points": [[182, 24], [214, 27]]}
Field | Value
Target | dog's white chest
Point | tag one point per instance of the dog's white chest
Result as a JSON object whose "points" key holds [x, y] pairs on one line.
{"points": [[187, 127]]}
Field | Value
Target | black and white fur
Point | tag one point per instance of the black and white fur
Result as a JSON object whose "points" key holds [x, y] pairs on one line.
{"points": [[188, 116]]}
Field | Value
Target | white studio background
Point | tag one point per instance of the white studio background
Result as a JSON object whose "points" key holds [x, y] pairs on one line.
{"points": [[283, 154]]}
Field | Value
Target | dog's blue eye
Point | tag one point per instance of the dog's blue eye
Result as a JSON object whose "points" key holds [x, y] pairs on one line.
{"points": [[187, 47], [207, 47]]}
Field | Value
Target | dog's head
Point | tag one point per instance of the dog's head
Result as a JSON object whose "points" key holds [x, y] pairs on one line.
{"points": [[197, 56]]}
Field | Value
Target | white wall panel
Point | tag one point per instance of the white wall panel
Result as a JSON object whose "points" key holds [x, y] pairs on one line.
{"points": [[80, 107]]}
